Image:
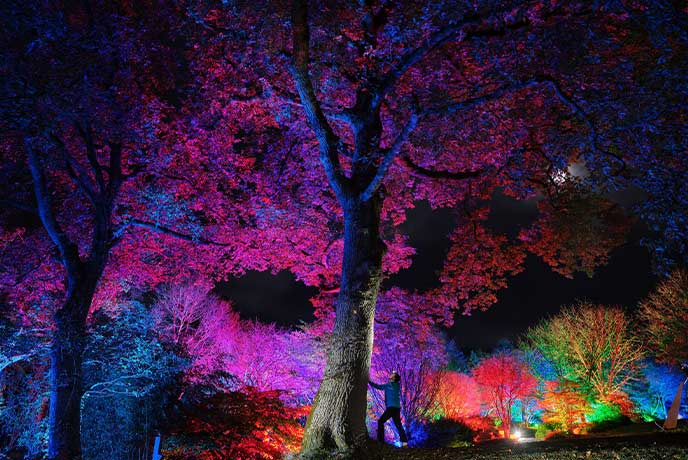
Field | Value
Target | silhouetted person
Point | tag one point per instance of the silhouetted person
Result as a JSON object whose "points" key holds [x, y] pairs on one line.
{"points": [[392, 407]]}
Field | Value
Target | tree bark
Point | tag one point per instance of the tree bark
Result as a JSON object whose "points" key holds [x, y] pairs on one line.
{"points": [[671, 421], [337, 419], [66, 382]]}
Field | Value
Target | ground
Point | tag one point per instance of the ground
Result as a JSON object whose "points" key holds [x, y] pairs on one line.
{"points": [[633, 442], [658, 446]]}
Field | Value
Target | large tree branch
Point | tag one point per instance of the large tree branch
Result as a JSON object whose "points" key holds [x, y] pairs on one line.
{"points": [[439, 174], [164, 230], [68, 250], [573, 105], [479, 100], [388, 157], [76, 172], [391, 153], [299, 69], [87, 134], [469, 26]]}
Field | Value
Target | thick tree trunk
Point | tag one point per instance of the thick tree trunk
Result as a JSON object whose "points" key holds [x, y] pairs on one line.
{"points": [[64, 424], [337, 418]]}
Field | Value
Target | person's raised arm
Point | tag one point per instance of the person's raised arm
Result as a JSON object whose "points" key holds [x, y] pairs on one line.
{"points": [[375, 385]]}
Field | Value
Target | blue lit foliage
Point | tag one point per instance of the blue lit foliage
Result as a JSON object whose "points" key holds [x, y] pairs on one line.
{"points": [[649, 152], [127, 378], [654, 391], [23, 392]]}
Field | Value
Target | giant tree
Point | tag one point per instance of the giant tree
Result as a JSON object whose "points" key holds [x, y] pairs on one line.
{"points": [[450, 102], [88, 93]]}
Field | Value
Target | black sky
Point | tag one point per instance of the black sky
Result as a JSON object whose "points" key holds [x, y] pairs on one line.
{"points": [[535, 293]]}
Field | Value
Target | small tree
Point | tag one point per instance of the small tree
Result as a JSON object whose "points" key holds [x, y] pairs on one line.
{"points": [[408, 343], [565, 406], [503, 379], [458, 396]]}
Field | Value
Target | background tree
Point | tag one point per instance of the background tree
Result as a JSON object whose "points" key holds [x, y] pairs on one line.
{"points": [[593, 345], [503, 379], [457, 396], [665, 313]]}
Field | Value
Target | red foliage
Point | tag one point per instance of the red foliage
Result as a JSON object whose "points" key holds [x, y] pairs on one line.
{"points": [[576, 231], [246, 425], [502, 380], [484, 428], [458, 396]]}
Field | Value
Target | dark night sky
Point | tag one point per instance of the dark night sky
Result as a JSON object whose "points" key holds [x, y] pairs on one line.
{"points": [[533, 294]]}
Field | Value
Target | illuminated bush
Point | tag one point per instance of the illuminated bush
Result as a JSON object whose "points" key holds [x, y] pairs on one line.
{"points": [[503, 379], [605, 416], [565, 407], [458, 396], [246, 425]]}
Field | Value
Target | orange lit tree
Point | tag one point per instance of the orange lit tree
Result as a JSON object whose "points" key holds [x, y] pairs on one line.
{"points": [[565, 406]]}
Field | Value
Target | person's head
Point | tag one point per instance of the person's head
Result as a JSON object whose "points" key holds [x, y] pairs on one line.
{"points": [[394, 377]]}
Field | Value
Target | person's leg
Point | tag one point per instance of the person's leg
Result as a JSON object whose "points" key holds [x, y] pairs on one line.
{"points": [[396, 416], [381, 425]]}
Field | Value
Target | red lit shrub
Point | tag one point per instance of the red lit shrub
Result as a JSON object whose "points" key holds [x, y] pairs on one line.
{"points": [[503, 379], [458, 396], [246, 425]]}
